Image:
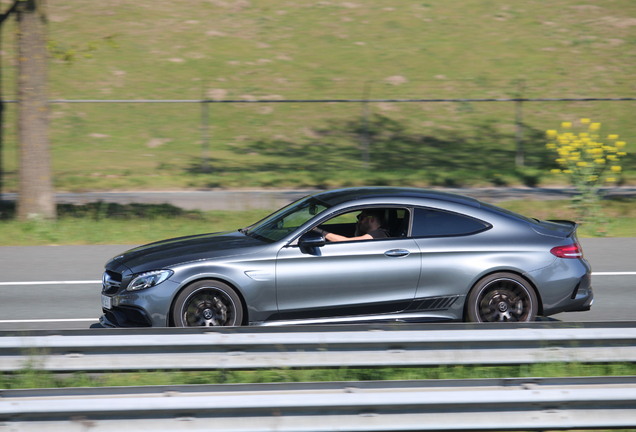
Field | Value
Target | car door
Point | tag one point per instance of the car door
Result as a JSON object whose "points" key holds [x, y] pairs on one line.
{"points": [[347, 278]]}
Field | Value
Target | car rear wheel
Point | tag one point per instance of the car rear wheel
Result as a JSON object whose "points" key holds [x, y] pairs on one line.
{"points": [[502, 297], [207, 303]]}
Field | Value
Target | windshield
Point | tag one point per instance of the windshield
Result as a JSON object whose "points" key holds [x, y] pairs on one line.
{"points": [[286, 220]]}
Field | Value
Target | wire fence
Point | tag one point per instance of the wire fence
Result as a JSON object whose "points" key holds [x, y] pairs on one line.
{"points": [[365, 132], [218, 132]]}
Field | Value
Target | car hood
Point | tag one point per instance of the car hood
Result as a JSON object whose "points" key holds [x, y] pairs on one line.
{"points": [[171, 252]]}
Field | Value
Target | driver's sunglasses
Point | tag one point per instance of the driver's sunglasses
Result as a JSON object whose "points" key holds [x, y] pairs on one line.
{"points": [[362, 216]]}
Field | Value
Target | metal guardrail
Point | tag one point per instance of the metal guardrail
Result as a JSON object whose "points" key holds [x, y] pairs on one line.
{"points": [[530, 404], [326, 346]]}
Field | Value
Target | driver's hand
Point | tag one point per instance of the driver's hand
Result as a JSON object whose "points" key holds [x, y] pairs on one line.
{"points": [[322, 232]]}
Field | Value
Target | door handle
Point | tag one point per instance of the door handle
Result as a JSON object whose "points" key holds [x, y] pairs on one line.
{"points": [[396, 253]]}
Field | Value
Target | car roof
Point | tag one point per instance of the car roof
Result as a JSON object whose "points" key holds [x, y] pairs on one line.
{"points": [[340, 196]]}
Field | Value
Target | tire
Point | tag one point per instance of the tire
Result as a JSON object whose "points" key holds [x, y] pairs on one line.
{"points": [[207, 303], [502, 297]]}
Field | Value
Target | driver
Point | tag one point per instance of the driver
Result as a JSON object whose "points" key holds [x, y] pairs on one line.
{"points": [[369, 226]]}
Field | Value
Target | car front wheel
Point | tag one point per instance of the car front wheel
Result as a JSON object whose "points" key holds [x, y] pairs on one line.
{"points": [[502, 297], [207, 303]]}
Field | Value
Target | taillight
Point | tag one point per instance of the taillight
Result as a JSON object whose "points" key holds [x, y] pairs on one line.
{"points": [[569, 251]]}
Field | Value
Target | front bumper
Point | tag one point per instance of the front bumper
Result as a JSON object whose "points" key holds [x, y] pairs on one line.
{"points": [[144, 308], [124, 317]]}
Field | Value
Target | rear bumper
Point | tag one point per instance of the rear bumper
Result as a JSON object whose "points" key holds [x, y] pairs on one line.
{"points": [[583, 295], [581, 298], [581, 305]]}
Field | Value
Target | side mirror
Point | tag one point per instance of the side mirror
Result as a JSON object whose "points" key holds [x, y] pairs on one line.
{"points": [[311, 240]]}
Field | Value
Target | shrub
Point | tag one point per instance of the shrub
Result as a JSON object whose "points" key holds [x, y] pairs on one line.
{"points": [[589, 161]]}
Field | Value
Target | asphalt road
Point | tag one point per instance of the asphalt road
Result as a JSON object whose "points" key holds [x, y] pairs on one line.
{"points": [[58, 287]]}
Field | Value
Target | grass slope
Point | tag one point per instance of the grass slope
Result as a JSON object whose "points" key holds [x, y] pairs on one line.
{"points": [[279, 49]]}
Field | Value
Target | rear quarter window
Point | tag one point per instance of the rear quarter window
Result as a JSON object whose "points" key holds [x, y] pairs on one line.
{"points": [[438, 223]]}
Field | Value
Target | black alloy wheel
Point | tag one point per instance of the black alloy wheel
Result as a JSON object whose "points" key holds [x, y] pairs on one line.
{"points": [[207, 303], [502, 297]]}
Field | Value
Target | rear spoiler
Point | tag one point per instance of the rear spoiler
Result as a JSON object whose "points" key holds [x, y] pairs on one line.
{"points": [[573, 225]]}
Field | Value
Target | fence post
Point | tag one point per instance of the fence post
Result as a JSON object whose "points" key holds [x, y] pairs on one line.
{"points": [[364, 138], [205, 136], [1, 124], [519, 156]]}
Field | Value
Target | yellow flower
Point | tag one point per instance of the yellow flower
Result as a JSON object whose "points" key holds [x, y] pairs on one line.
{"points": [[580, 154]]}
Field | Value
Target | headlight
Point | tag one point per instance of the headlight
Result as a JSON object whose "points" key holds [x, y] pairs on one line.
{"points": [[148, 279]]}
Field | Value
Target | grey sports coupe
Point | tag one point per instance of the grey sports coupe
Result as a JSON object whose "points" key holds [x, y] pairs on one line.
{"points": [[355, 255]]}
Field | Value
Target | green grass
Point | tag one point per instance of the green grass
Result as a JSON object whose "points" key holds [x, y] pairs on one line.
{"points": [[33, 378], [103, 223], [275, 49]]}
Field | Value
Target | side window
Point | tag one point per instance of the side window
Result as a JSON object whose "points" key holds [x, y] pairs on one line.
{"points": [[345, 218], [343, 224], [438, 223], [394, 220], [397, 221]]}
